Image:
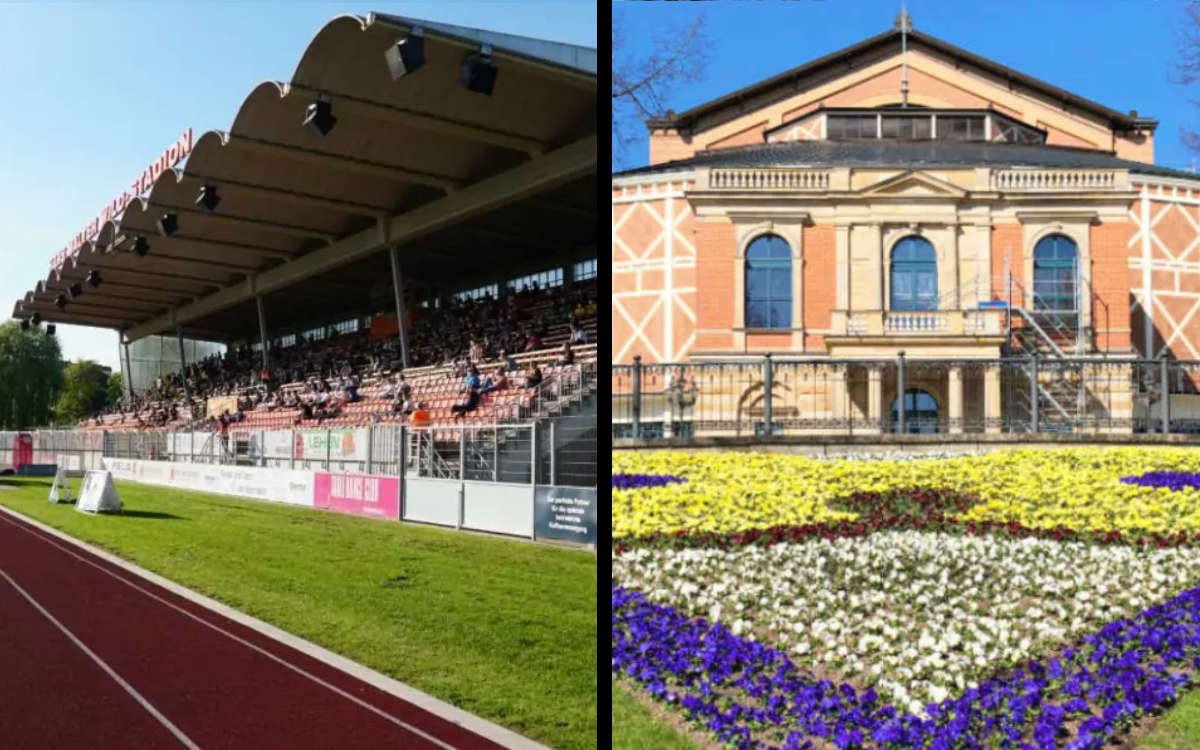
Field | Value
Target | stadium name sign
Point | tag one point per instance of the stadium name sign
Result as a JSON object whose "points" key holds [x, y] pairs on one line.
{"points": [[174, 154]]}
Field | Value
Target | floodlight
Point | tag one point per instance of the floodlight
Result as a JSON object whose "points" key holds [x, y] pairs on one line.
{"points": [[319, 118], [405, 55], [93, 278], [75, 290], [140, 246], [168, 224], [60, 301], [478, 72], [208, 198]]}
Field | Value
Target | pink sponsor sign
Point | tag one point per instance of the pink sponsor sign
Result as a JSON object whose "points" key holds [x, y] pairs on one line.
{"points": [[358, 494]]}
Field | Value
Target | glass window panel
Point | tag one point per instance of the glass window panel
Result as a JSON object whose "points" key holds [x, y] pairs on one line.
{"points": [[781, 283], [756, 314], [756, 282], [781, 314]]}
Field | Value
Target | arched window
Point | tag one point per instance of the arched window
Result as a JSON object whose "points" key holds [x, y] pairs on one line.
{"points": [[914, 275], [1055, 275], [769, 283], [920, 412]]}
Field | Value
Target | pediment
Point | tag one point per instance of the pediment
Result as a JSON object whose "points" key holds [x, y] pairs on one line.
{"points": [[912, 184]]}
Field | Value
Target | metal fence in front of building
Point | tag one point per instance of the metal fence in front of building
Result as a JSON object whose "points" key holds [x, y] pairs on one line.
{"points": [[75, 450], [772, 396]]}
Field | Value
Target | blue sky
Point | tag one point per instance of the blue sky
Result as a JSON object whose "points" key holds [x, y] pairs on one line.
{"points": [[1118, 53], [93, 92]]}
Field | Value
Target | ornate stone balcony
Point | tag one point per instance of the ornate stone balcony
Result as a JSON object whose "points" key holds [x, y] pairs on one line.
{"points": [[930, 323]]}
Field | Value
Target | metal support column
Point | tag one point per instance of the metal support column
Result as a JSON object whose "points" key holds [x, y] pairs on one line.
{"points": [[187, 392], [553, 473], [900, 394], [636, 406], [1165, 397], [398, 288], [262, 328], [768, 385], [128, 372], [1033, 393]]}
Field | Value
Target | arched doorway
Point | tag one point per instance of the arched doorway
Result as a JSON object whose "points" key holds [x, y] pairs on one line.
{"points": [[920, 412]]}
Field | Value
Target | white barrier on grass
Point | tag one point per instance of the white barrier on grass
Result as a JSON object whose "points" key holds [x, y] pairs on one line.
{"points": [[98, 494], [60, 491]]}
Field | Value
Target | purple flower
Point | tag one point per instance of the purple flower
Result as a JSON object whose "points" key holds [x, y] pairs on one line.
{"points": [[635, 481]]}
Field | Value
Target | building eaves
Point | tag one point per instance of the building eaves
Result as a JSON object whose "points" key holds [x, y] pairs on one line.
{"points": [[688, 118], [906, 154]]}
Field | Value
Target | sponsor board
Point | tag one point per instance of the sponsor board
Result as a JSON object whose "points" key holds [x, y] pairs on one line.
{"points": [[565, 513], [276, 485], [338, 445], [358, 494]]}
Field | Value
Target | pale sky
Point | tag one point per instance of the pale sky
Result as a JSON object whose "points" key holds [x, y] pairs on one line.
{"points": [[92, 93]]}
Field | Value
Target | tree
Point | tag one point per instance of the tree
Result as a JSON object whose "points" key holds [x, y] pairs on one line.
{"points": [[85, 391], [116, 389], [31, 375], [1187, 67], [642, 80]]}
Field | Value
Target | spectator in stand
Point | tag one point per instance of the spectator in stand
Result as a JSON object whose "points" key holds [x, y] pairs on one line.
{"points": [[460, 410], [497, 382], [475, 350], [535, 378], [510, 364], [350, 384], [533, 341], [578, 333], [420, 417], [568, 356], [471, 381]]}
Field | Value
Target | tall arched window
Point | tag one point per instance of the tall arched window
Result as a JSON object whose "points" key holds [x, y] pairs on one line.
{"points": [[769, 283], [914, 275], [1055, 277]]}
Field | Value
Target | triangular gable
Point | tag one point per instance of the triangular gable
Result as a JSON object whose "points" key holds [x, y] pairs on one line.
{"points": [[912, 184]]}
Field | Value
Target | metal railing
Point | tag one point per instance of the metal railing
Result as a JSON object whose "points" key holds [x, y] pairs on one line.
{"points": [[776, 395]]}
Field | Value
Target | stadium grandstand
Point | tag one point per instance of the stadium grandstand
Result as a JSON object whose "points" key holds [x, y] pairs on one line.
{"points": [[394, 251]]}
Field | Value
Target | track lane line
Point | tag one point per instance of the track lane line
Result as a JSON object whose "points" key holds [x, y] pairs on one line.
{"points": [[279, 660], [179, 735]]}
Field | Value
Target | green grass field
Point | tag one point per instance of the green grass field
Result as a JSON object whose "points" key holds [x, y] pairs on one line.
{"points": [[502, 628], [634, 728]]}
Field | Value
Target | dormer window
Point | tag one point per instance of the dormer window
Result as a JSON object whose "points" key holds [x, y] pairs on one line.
{"points": [[908, 124]]}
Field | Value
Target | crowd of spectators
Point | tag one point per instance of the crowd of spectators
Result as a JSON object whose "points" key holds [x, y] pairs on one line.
{"points": [[461, 334]]}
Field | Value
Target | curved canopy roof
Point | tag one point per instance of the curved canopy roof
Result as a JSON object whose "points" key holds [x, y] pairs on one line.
{"points": [[906, 154], [419, 162]]}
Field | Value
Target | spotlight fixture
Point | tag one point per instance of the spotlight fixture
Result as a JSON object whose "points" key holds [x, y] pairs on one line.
{"points": [[406, 55], [208, 199], [478, 72], [24, 325], [168, 224], [140, 246], [93, 278], [50, 329], [35, 318], [75, 290], [60, 301], [319, 117]]}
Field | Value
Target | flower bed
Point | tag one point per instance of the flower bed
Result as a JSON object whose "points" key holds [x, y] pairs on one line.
{"points": [[919, 616], [753, 696], [1072, 488], [637, 481], [1173, 480]]}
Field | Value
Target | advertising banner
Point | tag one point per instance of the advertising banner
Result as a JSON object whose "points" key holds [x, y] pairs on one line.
{"points": [[358, 494], [277, 444], [276, 485], [219, 404], [565, 513], [338, 445]]}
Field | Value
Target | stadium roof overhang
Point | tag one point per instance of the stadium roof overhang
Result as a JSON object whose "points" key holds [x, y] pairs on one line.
{"points": [[457, 180]]}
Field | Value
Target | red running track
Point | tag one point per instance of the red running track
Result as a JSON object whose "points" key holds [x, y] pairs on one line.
{"points": [[93, 656]]}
